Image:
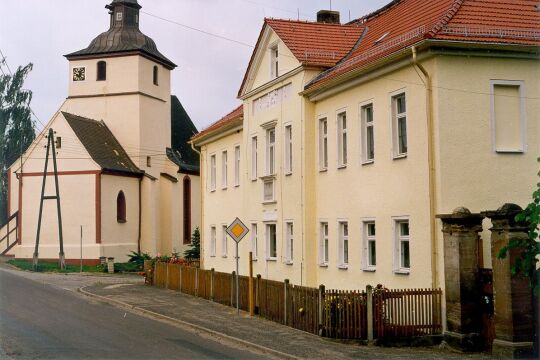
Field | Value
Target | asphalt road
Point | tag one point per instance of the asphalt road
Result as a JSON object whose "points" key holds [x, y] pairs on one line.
{"points": [[39, 321]]}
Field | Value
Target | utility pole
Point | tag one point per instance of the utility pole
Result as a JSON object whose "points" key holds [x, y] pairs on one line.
{"points": [[51, 146]]}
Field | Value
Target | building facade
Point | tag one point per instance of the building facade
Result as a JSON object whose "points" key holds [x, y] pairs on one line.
{"points": [[353, 137], [128, 179]]}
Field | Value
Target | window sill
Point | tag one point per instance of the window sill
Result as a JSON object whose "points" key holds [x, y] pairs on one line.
{"points": [[237, 186], [288, 173], [224, 188], [253, 259], [402, 272], [369, 269], [343, 266], [213, 190], [289, 263], [323, 170], [224, 256], [368, 162], [121, 221], [344, 166], [510, 151], [401, 156], [254, 180], [324, 265], [271, 259], [212, 256], [270, 202]]}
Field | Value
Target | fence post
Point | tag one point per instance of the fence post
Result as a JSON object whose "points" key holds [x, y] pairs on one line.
{"points": [[180, 278], [321, 308], [286, 286], [258, 293], [212, 284], [250, 286], [232, 287], [167, 276], [369, 292], [197, 282]]}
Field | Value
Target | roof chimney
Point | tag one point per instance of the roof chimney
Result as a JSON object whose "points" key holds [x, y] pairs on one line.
{"points": [[328, 17]]}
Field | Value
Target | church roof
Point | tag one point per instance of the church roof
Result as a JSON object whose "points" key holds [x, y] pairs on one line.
{"points": [[101, 144], [182, 129], [123, 37]]}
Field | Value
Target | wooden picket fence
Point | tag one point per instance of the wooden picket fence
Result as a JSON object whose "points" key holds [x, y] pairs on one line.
{"points": [[335, 314]]}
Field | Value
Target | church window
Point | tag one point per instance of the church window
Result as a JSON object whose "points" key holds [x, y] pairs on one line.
{"points": [[119, 16], [187, 210], [121, 208], [148, 161], [156, 73], [101, 71]]}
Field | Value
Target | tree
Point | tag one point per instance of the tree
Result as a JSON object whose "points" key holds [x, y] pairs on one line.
{"points": [[17, 130], [526, 263], [195, 251]]}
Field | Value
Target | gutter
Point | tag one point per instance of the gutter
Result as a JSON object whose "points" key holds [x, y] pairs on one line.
{"points": [[426, 79]]}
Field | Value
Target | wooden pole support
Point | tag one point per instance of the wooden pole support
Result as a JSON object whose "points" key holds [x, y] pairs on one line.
{"points": [[286, 288], [369, 291], [250, 286], [212, 284], [321, 309]]}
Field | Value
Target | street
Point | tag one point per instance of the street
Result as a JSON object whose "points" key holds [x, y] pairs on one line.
{"points": [[39, 321]]}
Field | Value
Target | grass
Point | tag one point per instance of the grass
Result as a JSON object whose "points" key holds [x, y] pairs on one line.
{"points": [[55, 267]]}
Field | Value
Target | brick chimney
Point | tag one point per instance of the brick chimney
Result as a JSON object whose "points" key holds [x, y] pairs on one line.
{"points": [[328, 17]]}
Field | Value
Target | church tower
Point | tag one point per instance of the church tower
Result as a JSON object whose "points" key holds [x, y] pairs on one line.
{"points": [[123, 79]]}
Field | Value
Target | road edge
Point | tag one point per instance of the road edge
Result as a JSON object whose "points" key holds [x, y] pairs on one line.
{"points": [[139, 310]]}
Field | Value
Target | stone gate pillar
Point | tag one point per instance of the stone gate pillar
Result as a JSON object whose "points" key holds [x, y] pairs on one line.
{"points": [[512, 295], [461, 268]]}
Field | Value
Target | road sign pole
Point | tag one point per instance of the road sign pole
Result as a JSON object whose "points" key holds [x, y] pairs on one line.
{"points": [[237, 304]]}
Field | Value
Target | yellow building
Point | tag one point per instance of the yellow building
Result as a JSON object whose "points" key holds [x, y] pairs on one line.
{"points": [[128, 179], [353, 137]]}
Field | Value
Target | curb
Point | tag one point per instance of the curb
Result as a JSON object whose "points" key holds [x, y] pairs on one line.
{"points": [[139, 310]]}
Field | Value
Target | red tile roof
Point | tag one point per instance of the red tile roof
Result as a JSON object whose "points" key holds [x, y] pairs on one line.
{"points": [[231, 118], [403, 23]]}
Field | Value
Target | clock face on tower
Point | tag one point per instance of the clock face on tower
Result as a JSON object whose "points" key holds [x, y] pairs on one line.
{"points": [[79, 73]]}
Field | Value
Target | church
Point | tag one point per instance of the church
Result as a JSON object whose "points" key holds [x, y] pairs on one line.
{"points": [[128, 179]]}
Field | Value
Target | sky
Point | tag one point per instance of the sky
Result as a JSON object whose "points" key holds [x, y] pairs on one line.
{"points": [[210, 69]]}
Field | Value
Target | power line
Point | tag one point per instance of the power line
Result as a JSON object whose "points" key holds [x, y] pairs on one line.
{"points": [[5, 61]]}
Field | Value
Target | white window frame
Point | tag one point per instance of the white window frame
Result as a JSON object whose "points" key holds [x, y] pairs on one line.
{"points": [[224, 169], [212, 241], [119, 16], [367, 239], [365, 125], [254, 241], [324, 243], [268, 240], [274, 60], [522, 110], [269, 180], [270, 152], [224, 242], [288, 153], [289, 242], [323, 144], [343, 244], [254, 159], [342, 139], [213, 172], [237, 165], [398, 238], [395, 117]]}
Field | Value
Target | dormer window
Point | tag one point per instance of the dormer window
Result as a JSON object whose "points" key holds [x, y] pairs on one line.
{"points": [[274, 61], [101, 71], [119, 16], [156, 76]]}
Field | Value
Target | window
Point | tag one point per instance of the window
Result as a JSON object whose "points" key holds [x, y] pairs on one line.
{"points": [[213, 241], [156, 76], [121, 208], [343, 245], [254, 245], [213, 173], [224, 170], [187, 210], [224, 240], [288, 149], [101, 71], [274, 61], [403, 257], [270, 151], [399, 125], [370, 254], [508, 116], [268, 190], [289, 244], [148, 161], [237, 166], [323, 144], [271, 242], [342, 139], [119, 16], [254, 158], [323, 244], [368, 139]]}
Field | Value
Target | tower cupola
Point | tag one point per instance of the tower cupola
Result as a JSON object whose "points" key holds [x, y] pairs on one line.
{"points": [[123, 37]]}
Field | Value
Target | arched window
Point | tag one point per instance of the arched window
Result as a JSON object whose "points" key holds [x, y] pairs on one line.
{"points": [[156, 75], [187, 210], [101, 71], [121, 208]]}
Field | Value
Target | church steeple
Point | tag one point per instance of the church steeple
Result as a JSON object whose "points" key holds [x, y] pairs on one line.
{"points": [[123, 36]]}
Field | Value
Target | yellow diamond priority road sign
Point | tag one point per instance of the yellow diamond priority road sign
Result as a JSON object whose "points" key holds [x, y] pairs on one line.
{"points": [[237, 230]]}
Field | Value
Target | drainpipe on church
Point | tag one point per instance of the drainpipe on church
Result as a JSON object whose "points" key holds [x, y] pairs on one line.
{"points": [[140, 216], [431, 163]]}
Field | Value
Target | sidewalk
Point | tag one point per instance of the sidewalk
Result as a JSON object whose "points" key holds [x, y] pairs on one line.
{"points": [[219, 320]]}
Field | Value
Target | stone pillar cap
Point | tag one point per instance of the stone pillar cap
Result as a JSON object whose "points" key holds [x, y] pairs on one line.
{"points": [[508, 210], [460, 213]]}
